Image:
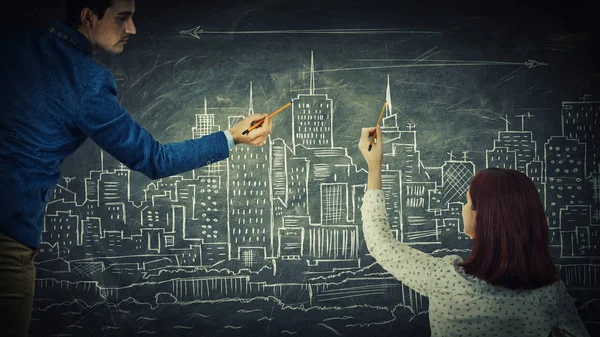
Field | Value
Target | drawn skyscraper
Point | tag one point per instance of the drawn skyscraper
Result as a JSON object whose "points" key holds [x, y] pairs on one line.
{"points": [[535, 171], [312, 117], [249, 201], [92, 229], [289, 185], [565, 175], [205, 125], [114, 198], [406, 157], [209, 181], [389, 123], [391, 184], [400, 144], [581, 121], [594, 186]]}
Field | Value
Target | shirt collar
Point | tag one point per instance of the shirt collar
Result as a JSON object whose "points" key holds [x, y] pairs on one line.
{"points": [[75, 35]]}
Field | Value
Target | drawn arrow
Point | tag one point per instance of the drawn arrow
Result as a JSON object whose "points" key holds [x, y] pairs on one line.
{"points": [[193, 32]]}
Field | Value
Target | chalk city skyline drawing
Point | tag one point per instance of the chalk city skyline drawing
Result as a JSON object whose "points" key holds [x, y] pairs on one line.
{"points": [[280, 225]]}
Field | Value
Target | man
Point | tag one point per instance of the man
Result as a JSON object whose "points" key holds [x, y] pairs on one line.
{"points": [[54, 96]]}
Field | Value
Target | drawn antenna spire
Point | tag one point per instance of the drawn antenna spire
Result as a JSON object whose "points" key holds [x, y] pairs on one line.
{"points": [[505, 119], [205, 108], [312, 74], [388, 98], [251, 107], [529, 115]]}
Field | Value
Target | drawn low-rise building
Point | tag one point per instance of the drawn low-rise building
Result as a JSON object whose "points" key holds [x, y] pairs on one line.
{"points": [[63, 228], [513, 149], [501, 157], [574, 228]]}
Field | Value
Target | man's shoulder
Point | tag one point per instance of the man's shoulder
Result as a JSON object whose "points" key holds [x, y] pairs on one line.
{"points": [[17, 38]]}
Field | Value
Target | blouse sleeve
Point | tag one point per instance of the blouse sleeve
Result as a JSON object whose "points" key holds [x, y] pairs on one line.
{"points": [[410, 266], [568, 322]]}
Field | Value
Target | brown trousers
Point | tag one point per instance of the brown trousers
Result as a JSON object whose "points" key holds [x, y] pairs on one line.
{"points": [[17, 284]]}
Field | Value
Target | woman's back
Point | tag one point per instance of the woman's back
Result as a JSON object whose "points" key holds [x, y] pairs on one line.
{"points": [[462, 305]]}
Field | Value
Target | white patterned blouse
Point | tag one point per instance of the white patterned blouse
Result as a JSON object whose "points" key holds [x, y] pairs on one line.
{"points": [[461, 304]]}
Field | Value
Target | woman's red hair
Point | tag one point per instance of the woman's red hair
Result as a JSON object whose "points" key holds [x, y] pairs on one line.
{"points": [[510, 245]]}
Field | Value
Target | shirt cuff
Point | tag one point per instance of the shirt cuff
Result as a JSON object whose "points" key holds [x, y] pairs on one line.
{"points": [[230, 141]]}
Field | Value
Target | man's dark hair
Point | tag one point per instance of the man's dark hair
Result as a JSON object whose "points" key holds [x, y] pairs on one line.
{"points": [[73, 10]]}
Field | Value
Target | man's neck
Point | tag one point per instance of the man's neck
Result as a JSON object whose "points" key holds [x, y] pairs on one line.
{"points": [[85, 33]]}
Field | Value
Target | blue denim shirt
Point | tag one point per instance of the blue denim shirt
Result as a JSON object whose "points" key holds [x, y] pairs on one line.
{"points": [[53, 96]]}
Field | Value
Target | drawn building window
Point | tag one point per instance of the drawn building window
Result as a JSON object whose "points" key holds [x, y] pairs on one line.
{"points": [[249, 258]]}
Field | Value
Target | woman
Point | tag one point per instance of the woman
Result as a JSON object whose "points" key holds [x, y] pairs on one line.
{"points": [[507, 287]]}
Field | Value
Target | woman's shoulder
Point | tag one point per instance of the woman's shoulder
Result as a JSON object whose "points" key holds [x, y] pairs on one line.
{"points": [[450, 279], [447, 271]]}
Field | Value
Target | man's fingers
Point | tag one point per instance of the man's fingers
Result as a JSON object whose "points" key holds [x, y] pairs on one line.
{"points": [[268, 124], [257, 117], [258, 135], [264, 130], [260, 118]]}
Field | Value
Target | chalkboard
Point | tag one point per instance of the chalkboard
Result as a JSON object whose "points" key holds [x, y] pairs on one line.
{"points": [[269, 241]]}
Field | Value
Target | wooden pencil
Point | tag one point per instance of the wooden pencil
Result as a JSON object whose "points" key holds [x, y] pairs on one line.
{"points": [[261, 121], [374, 135]]}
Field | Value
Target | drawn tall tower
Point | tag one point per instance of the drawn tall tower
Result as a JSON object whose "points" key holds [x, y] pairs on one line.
{"points": [[391, 179], [312, 117], [249, 201], [205, 125], [565, 175], [581, 121], [209, 207], [389, 123], [401, 144]]}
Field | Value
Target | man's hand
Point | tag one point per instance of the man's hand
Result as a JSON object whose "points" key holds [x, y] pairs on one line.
{"points": [[256, 137]]}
